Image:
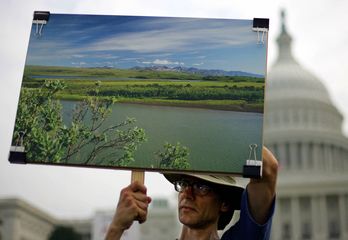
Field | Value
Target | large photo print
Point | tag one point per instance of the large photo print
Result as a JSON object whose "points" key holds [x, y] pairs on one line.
{"points": [[152, 93]]}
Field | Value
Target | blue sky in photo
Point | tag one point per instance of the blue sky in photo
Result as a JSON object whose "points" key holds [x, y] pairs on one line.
{"points": [[129, 41]]}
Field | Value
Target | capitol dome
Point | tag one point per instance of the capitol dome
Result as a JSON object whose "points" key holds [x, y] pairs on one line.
{"points": [[304, 131], [288, 76], [299, 116]]}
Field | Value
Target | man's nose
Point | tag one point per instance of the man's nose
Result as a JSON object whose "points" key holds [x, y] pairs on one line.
{"points": [[188, 192]]}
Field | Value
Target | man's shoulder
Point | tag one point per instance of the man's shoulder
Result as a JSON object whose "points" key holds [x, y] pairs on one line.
{"points": [[246, 227]]}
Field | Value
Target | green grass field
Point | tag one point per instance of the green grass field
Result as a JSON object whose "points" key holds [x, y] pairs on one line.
{"points": [[154, 87]]}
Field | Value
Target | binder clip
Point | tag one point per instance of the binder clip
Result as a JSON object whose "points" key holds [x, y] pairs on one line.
{"points": [[261, 26], [17, 152], [40, 19], [252, 167]]}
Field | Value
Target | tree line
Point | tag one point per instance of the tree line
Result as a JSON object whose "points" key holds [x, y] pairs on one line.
{"points": [[186, 92]]}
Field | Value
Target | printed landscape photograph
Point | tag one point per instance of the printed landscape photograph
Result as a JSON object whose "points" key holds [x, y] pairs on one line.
{"points": [[152, 93]]}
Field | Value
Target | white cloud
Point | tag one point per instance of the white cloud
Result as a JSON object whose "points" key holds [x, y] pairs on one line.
{"points": [[78, 55], [166, 62], [177, 37], [79, 63], [163, 62]]}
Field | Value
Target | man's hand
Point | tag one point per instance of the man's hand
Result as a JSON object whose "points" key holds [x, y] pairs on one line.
{"points": [[132, 205], [261, 192]]}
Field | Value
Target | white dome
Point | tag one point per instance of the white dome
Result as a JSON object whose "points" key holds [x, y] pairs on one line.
{"points": [[302, 126], [290, 80], [295, 98], [287, 79], [303, 129]]}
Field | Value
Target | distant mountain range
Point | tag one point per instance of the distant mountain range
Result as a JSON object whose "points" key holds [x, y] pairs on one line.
{"points": [[204, 72]]}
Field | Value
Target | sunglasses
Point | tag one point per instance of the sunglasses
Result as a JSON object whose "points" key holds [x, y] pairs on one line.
{"points": [[198, 188]]}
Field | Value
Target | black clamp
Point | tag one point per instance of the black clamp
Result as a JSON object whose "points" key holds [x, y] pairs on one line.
{"points": [[17, 152], [261, 26], [40, 19], [252, 167]]}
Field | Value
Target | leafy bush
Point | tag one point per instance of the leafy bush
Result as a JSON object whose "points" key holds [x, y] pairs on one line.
{"points": [[46, 138]]}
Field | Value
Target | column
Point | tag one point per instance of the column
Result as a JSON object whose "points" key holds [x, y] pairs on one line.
{"points": [[305, 155], [343, 216], [315, 216], [335, 159], [295, 218], [323, 218], [13, 225], [293, 156], [316, 155], [344, 158], [329, 158], [282, 155], [299, 156], [319, 217], [277, 221]]}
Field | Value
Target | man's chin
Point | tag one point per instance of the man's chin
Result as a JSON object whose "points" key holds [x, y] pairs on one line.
{"points": [[186, 218], [191, 222]]}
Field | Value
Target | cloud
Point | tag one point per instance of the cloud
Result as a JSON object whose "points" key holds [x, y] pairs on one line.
{"points": [[163, 62], [79, 63], [78, 55], [176, 35], [167, 62]]}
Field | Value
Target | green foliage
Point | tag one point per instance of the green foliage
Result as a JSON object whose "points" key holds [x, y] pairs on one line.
{"points": [[144, 86], [66, 233], [47, 139], [174, 157], [187, 92]]}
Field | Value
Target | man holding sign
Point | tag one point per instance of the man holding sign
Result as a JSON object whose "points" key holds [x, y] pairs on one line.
{"points": [[206, 204]]}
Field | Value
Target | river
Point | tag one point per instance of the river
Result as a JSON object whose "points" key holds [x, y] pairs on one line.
{"points": [[218, 141]]}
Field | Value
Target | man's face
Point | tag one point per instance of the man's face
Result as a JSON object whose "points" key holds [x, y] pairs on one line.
{"points": [[198, 211]]}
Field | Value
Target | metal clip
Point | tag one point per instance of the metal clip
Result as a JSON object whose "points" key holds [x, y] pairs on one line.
{"points": [[40, 19]]}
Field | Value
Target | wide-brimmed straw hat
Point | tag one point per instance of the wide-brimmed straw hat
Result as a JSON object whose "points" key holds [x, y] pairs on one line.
{"points": [[226, 187]]}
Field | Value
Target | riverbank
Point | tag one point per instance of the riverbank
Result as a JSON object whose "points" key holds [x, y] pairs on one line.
{"points": [[224, 105]]}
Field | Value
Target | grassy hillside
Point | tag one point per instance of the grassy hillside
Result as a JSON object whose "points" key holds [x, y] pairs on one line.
{"points": [[106, 72]]}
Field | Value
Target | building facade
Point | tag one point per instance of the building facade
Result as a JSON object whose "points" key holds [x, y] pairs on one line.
{"points": [[20, 220], [304, 130]]}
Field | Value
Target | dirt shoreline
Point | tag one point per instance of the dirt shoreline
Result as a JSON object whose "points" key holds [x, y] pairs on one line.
{"points": [[222, 107], [235, 108]]}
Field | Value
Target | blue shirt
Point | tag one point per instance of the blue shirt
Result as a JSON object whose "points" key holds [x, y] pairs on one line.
{"points": [[247, 228]]}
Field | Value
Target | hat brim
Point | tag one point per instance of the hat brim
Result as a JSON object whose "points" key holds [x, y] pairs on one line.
{"points": [[227, 183]]}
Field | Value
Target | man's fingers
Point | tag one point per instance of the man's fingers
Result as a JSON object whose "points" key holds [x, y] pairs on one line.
{"points": [[141, 197], [142, 215], [136, 186], [135, 199]]}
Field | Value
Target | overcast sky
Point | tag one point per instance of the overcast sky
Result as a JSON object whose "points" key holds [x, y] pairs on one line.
{"points": [[320, 44]]}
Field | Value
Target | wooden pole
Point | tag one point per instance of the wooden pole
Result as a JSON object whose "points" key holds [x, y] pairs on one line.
{"points": [[138, 175]]}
